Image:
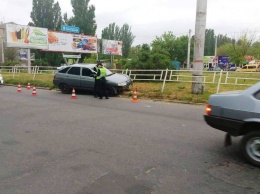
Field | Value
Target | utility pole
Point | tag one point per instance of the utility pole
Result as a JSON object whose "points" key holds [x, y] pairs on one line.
{"points": [[197, 79], [188, 54]]}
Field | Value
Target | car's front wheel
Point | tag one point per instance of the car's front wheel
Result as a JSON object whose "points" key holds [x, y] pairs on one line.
{"points": [[64, 88], [250, 145], [110, 90]]}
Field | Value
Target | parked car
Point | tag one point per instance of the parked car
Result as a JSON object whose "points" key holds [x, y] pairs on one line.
{"points": [[1, 80], [249, 68], [238, 114], [80, 76], [232, 67]]}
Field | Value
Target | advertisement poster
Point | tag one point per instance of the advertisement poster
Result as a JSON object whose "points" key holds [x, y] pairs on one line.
{"points": [[223, 61], [76, 43], [26, 36], [112, 47], [210, 59]]}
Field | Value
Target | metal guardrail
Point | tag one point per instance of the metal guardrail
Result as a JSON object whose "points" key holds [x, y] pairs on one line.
{"points": [[163, 75]]}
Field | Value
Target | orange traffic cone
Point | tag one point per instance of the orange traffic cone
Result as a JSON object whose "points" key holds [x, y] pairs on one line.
{"points": [[73, 95], [34, 91], [28, 86], [19, 88], [135, 96]]}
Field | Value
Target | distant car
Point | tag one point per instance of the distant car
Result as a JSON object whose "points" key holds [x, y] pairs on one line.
{"points": [[238, 114], [249, 68], [232, 67], [80, 76], [1, 80]]}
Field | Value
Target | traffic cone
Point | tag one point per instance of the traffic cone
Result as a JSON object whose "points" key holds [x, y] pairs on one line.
{"points": [[28, 86], [73, 95], [19, 88], [34, 91], [135, 96]]}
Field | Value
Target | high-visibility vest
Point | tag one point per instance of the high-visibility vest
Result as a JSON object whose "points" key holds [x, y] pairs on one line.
{"points": [[96, 69], [102, 73]]}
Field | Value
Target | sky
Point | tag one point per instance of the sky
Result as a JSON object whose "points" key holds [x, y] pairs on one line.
{"points": [[149, 19]]}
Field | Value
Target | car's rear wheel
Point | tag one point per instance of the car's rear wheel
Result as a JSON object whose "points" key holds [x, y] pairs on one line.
{"points": [[64, 88], [110, 90], [250, 145]]}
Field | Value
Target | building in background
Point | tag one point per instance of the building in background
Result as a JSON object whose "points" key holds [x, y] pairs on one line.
{"points": [[2, 43]]}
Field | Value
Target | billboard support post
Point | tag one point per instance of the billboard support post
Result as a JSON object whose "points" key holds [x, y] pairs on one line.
{"points": [[71, 57]]}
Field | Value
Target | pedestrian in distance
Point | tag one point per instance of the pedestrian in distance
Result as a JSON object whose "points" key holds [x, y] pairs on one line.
{"points": [[101, 80]]}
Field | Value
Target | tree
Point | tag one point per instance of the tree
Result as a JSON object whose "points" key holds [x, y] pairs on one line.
{"points": [[255, 50], [209, 48], [46, 14], [124, 34], [84, 17], [11, 53], [176, 47], [168, 42], [128, 38]]}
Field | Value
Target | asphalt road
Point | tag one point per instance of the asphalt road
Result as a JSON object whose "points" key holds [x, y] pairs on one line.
{"points": [[51, 144]]}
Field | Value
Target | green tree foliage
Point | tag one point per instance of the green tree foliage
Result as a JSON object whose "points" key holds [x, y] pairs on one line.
{"points": [[168, 42], [114, 32], [254, 50], [84, 17], [10, 54], [176, 47], [147, 58], [91, 59], [128, 38], [223, 39], [46, 14], [209, 48]]}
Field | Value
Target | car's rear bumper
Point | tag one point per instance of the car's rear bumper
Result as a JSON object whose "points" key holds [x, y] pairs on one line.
{"points": [[233, 127]]}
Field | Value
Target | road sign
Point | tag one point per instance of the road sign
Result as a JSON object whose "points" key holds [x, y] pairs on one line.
{"points": [[72, 29]]}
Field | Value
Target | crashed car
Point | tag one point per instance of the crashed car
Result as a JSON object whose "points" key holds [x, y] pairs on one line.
{"points": [[81, 76], [238, 114]]}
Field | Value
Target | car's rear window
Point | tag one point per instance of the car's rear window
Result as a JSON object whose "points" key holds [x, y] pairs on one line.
{"points": [[64, 70]]}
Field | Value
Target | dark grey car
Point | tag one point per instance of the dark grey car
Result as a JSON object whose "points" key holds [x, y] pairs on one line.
{"points": [[238, 114], [80, 76]]}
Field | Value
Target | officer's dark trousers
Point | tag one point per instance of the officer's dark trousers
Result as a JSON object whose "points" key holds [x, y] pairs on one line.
{"points": [[96, 88], [102, 88]]}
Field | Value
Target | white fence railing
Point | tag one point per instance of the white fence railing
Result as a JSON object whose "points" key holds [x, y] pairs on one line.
{"points": [[165, 75]]}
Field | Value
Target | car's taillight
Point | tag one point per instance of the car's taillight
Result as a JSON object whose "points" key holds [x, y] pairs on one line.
{"points": [[208, 109]]}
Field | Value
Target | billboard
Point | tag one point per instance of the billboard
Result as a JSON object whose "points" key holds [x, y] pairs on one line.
{"points": [[223, 61], [26, 36], [112, 47], [210, 59], [76, 43]]}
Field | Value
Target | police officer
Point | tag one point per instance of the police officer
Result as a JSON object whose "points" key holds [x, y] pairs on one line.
{"points": [[96, 81], [101, 80]]}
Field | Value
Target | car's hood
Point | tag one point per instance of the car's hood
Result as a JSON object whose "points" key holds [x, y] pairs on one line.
{"points": [[117, 77]]}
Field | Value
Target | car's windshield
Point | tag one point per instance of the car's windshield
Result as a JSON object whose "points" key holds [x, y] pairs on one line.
{"points": [[108, 72]]}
